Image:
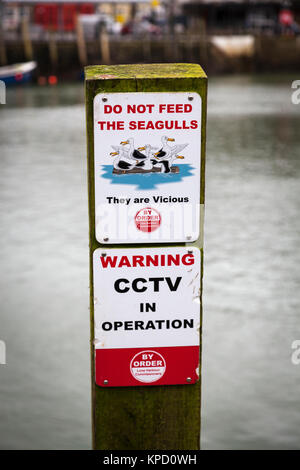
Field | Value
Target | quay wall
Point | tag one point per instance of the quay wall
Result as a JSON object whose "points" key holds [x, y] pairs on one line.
{"points": [[268, 54]]}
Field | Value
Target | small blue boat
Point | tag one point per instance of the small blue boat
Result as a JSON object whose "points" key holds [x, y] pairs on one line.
{"points": [[17, 73]]}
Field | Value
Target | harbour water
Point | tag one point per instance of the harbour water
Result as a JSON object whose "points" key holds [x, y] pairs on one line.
{"points": [[251, 388]]}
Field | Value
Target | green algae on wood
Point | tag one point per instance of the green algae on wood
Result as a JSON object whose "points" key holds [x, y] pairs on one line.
{"points": [[95, 72], [149, 417]]}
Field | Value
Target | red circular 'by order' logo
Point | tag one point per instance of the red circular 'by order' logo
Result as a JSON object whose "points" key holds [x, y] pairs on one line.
{"points": [[147, 366], [147, 219]]}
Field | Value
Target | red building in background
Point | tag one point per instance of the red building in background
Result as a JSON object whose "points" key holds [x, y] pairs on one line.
{"points": [[53, 16]]}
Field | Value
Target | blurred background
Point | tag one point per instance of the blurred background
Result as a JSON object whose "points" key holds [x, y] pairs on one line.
{"points": [[223, 35], [251, 51]]}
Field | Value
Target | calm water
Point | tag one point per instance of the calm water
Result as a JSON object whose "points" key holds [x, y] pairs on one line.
{"points": [[251, 390]]}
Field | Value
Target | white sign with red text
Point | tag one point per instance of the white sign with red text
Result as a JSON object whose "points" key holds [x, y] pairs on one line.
{"points": [[147, 315], [147, 155]]}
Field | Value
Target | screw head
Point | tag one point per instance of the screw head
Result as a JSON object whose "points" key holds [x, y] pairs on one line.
{"points": [[188, 379], [103, 255], [190, 98], [190, 252], [189, 237], [105, 382], [104, 100], [105, 239]]}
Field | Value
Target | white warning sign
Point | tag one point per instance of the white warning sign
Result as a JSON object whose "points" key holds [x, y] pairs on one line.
{"points": [[147, 315], [147, 154]]}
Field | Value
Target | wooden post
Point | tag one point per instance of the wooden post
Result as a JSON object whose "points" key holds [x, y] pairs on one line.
{"points": [[147, 47], [3, 55], [203, 39], [28, 50], [53, 52], [143, 416], [81, 45], [104, 46]]}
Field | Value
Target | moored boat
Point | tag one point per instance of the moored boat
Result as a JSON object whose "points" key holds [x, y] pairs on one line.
{"points": [[17, 73]]}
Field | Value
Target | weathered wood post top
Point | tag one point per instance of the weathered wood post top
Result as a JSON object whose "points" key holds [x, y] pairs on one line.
{"points": [[146, 135]]}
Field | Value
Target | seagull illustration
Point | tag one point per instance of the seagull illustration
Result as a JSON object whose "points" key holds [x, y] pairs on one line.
{"points": [[149, 152], [167, 154]]}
